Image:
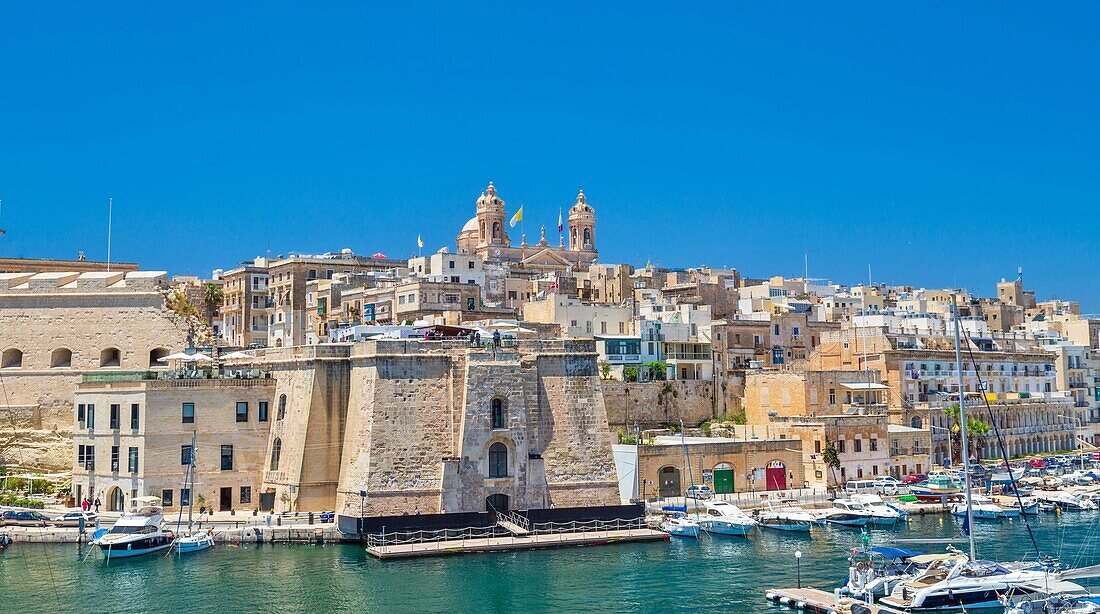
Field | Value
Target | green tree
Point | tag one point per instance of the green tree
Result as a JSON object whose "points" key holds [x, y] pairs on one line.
{"points": [[831, 458], [605, 369]]}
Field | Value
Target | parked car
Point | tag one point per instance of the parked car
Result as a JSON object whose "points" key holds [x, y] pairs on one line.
{"points": [[72, 519], [889, 485], [25, 519], [914, 478], [328, 516], [699, 492]]}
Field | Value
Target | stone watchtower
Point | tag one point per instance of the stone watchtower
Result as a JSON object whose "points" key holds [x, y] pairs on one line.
{"points": [[490, 217], [582, 226]]}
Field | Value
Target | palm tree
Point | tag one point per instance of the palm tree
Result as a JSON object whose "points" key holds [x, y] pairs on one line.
{"points": [[976, 430], [212, 295]]}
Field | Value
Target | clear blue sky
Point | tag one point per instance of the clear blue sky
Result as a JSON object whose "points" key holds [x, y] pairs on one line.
{"points": [[943, 144]]}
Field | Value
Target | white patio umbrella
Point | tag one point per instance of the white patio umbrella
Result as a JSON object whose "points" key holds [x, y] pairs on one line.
{"points": [[502, 325], [185, 357], [238, 356]]}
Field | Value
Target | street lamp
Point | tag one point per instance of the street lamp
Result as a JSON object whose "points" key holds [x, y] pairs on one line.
{"points": [[798, 566]]}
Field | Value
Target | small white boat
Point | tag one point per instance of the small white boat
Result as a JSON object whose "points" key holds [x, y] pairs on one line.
{"points": [[983, 508], [725, 518], [784, 518], [194, 542], [881, 513], [680, 525], [844, 512], [1066, 501]]}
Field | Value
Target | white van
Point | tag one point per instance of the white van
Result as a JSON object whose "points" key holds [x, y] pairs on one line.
{"points": [[861, 487]]}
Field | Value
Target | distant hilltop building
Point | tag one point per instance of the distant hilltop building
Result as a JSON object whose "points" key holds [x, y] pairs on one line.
{"points": [[486, 235]]}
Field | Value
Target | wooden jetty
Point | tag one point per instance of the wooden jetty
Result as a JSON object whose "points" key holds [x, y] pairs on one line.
{"points": [[808, 599], [513, 542]]}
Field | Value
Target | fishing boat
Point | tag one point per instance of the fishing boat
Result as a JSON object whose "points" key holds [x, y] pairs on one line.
{"points": [[136, 533], [939, 487], [193, 540], [725, 518], [784, 518]]}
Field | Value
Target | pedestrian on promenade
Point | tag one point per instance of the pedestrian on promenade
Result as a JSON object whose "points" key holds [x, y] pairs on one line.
{"points": [[84, 504], [96, 505], [496, 338]]}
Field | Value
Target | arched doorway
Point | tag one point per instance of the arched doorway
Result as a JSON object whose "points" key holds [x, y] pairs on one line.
{"points": [[116, 501], [497, 502], [668, 482], [723, 478], [775, 476]]}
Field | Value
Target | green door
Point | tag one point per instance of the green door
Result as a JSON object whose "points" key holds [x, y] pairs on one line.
{"points": [[723, 481]]}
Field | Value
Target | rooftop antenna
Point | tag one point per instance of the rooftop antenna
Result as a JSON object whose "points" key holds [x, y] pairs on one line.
{"points": [[110, 211]]}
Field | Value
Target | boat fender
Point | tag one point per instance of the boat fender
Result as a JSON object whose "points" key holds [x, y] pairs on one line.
{"points": [[801, 605], [785, 600], [770, 596]]}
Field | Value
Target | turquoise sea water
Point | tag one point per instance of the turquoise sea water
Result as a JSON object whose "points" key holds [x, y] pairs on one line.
{"points": [[718, 574]]}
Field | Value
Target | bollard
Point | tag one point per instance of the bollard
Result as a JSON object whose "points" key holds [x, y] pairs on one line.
{"points": [[311, 518], [279, 521]]}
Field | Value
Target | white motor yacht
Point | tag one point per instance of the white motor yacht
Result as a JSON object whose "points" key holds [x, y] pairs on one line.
{"points": [[725, 518], [784, 518], [882, 513], [955, 585], [137, 532], [984, 508], [844, 512]]}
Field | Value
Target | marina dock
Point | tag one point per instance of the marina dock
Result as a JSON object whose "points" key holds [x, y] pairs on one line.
{"points": [[808, 599], [528, 542]]}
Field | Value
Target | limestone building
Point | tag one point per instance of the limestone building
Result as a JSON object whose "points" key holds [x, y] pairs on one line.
{"points": [[133, 438], [437, 426], [57, 326]]}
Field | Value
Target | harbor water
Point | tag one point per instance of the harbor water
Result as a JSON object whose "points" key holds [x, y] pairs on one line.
{"points": [[724, 574]]}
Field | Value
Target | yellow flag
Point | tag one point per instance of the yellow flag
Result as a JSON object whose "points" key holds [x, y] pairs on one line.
{"points": [[517, 218]]}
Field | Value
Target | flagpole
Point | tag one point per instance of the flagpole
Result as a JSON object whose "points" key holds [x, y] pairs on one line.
{"points": [[110, 211]]}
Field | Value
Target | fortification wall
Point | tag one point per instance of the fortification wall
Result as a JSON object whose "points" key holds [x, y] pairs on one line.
{"points": [[651, 404], [36, 398], [574, 437]]}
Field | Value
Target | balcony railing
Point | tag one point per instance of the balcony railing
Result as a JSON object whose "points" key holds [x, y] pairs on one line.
{"points": [[624, 358], [688, 355]]}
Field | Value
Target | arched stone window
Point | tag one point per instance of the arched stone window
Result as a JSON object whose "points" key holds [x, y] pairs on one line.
{"points": [[276, 451], [110, 357], [61, 358], [587, 237], [496, 413], [12, 359], [282, 407], [496, 231], [916, 422], [155, 355], [498, 460]]}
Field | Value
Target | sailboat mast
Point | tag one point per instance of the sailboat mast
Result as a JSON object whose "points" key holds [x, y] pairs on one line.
{"points": [[962, 427], [687, 458], [191, 486]]}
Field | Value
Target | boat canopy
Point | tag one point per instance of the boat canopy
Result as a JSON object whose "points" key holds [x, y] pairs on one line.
{"points": [[896, 553]]}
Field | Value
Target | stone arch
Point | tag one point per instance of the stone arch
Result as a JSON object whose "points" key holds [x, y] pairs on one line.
{"points": [[61, 358], [497, 408], [155, 355], [916, 422], [110, 357], [668, 482], [587, 237], [12, 359], [498, 460], [496, 231], [116, 500], [276, 452]]}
